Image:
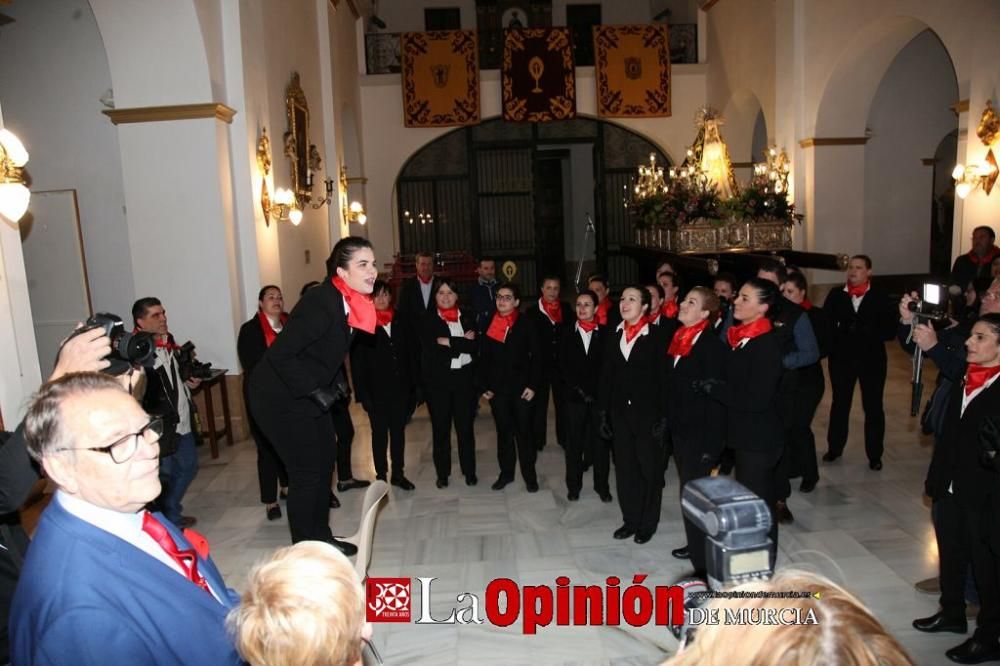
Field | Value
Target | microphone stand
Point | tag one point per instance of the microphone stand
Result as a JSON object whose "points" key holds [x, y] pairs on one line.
{"points": [[588, 230]]}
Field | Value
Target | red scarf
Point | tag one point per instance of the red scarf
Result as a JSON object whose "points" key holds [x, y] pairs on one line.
{"points": [[601, 314], [990, 256], [265, 325], [449, 314], [859, 290], [553, 310], [162, 342], [806, 304], [633, 330], [384, 317], [500, 325], [362, 309], [684, 339], [669, 309], [587, 325], [977, 375], [737, 333]]}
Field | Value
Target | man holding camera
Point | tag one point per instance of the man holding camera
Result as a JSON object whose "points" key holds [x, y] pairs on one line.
{"points": [[168, 395]]}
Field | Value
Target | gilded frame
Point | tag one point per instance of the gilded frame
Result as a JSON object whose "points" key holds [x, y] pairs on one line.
{"points": [[297, 138]]}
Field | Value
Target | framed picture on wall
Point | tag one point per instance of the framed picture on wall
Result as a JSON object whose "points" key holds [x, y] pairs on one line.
{"points": [[684, 44], [382, 53]]}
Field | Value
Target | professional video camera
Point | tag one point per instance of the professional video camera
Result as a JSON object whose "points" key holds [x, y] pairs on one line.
{"points": [[127, 349], [738, 549], [931, 308], [189, 366]]}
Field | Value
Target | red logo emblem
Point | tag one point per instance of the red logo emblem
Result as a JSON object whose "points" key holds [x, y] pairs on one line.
{"points": [[388, 599]]}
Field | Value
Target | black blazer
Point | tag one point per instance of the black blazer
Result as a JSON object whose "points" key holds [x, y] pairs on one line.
{"points": [[750, 395], [411, 302], [250, 348], [820, 320], [513, 365], [635, 389], [548, 333], [307, 355], [862, 334], [383, 367], [435, 359], [691, 416], [579, 368]]}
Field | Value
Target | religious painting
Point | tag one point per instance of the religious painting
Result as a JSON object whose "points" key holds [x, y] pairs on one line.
{"points": [[632, 69], [440, 78], [297, 137], [538, 79]]}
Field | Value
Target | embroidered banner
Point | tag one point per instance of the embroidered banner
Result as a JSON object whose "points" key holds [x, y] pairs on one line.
{"points": [[538, 76], [440, 78], [632, 69]]}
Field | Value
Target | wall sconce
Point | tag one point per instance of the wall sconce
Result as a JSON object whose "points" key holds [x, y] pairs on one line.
{"points": [[353, 211], [981, 174], [14, 195], [284, 205]]}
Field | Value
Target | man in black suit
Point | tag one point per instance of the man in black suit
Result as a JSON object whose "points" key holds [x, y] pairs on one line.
{"points": [[415, 292], [976, 263], [549, 317], [484, 294], [862, 319]]}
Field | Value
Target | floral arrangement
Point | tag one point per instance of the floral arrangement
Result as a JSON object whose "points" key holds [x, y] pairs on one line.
{"points": [[759, 201]]}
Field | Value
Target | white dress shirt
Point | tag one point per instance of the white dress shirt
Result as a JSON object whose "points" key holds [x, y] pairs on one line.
{"points": [[456, 330], [626, 347], [585, 336]]}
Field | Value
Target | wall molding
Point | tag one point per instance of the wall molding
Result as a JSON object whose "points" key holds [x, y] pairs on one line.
{"points": [[155, 114], [833, 141], [705, 5], [959, 107]]}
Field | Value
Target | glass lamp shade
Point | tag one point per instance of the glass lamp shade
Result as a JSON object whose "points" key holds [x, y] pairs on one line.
{"points": [[295, 216], [958, 171], [15, 150], [14, 199], [963, 189]]}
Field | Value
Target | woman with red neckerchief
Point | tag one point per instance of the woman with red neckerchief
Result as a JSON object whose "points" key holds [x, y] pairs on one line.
{"points": [[294, 386], [633, 403], [256, 335], [448, 348], [696, 424], [754, 429]]}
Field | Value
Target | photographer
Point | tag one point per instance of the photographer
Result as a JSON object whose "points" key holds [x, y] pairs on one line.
{"points": [[168, 395]]}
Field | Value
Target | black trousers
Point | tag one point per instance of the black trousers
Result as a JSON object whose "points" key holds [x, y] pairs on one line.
{"points": [[799, 456], [844, 374], [447, 406], [270, 471], [512, 417], [344, 429], [388, 420], [639, 476], [756, 471], [540, 412], [583, 443], [693, 462]]}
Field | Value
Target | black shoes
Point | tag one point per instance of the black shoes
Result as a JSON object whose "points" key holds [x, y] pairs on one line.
{"points": [[830, 456], [351, 484], [532, 486], [940, 622], [402, 482], [643, 537], [808, 486], [606, 497], [344, 547], [875, 465], [681, 553], [273, 512], [334, 502], [442, 483], [624, 532], [471, 480], [782, 513], [974, 652], [573, 496], [500, 483]]}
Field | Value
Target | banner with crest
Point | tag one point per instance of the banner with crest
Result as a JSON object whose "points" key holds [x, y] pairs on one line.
{"points": [[632, 70], [440, 78], [538, 77]]}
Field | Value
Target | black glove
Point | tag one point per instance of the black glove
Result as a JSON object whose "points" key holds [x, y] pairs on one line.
{"points": [[705, 386], [659, 428], [604, 429], [989, 442], [324, 398], [343, 392]]}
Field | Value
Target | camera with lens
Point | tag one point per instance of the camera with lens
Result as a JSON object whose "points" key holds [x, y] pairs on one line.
{"points": [[931, 308], [127, 349], [189, 366]]}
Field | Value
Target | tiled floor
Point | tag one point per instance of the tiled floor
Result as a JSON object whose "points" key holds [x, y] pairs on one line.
{"points": [[868, 530]]}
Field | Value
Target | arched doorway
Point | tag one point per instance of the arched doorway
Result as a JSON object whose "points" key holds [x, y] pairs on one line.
{"points": [[522, 192]]}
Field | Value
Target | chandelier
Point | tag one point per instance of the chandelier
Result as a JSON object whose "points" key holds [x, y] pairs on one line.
{"points": [[773, 173]]}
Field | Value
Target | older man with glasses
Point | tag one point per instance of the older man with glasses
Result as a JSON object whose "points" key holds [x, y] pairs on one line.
{"points": [[105, 581]]}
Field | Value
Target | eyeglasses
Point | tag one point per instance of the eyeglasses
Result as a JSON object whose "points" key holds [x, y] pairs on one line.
{"points": [[374, 656], [505, 297], [121, 450]]}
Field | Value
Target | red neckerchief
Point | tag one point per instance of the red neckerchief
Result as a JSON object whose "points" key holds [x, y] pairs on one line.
{"points": [[449, 314], [684, 339], [428, 280], [265, 325], [976, 375], [587, 325], [859, 290], [186, 559], [633, 330], [669, 308], [165, 342], [736, 334], [383, 317], [500, 325], [553, 310], [362, 309], [806, 304], [990, 256], [601, 314]]}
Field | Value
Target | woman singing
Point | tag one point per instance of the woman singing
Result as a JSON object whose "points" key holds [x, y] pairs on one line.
{"points": [[696, 423], [448, 345], [255, 337], [384, 367], [294, 385], [633, 404]]}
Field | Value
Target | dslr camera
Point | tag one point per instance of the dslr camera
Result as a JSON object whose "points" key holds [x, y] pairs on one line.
{"points": [[931, 308], [127, 349], [189, 367]]}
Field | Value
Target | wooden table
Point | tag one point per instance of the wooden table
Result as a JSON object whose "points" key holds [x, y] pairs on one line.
{"points": [[218, 378]]}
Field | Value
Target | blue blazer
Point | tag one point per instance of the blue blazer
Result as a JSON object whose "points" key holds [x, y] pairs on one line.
{"points": [[88, 597]]}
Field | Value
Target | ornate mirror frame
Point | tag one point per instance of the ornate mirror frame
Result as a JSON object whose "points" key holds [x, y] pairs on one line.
{"points": [[297, 138]]}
